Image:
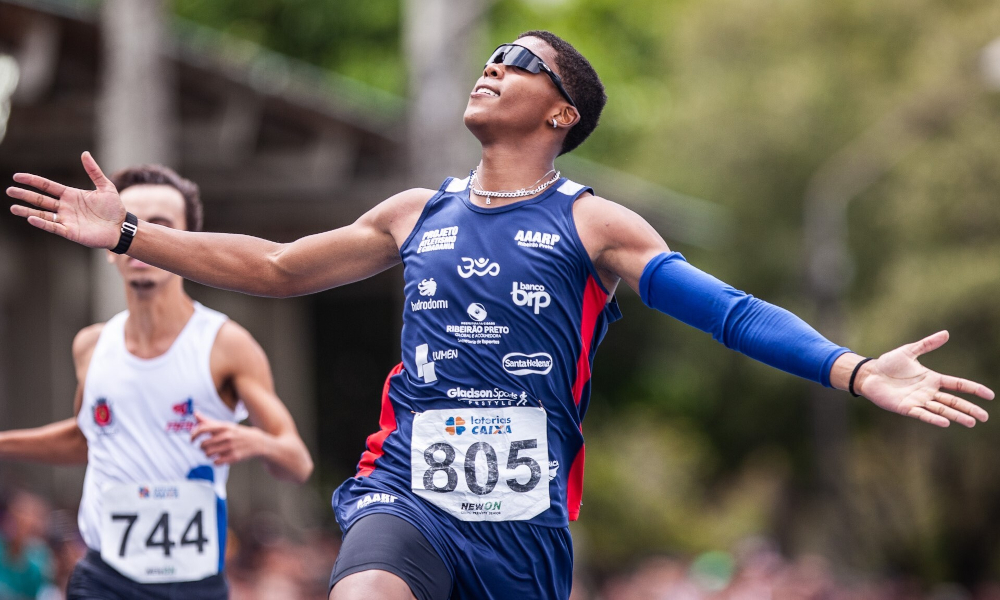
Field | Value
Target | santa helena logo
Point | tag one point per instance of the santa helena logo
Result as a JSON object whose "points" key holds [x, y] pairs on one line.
{"points": [[479, 267], [536, 239], [519, 364], [102, 413], [438, 239]]}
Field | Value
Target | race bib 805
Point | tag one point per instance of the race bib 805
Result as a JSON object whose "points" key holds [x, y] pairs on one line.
{"points": [[160, 532], [482, 464]]}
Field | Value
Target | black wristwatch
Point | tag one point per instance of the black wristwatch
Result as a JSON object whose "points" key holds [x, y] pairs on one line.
{"points": [[129, 228]]}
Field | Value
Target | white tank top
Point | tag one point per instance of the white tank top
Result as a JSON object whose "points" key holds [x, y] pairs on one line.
{"points": [[137, 414]]}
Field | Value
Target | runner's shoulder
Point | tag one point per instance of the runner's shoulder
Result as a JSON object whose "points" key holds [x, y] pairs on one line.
{"points": [[398, 214], [598, 218], [86, 340], [406, 202], [235, 346]]}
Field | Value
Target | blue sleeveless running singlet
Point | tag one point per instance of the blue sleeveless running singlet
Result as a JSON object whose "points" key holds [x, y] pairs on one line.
{"points": [[504, 311]]}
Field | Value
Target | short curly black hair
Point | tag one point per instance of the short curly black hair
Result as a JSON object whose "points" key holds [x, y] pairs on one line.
{"points": [[581, 81]]}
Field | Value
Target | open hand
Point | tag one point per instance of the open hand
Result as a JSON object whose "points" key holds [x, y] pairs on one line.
{"points": [[897, 382], [227, 442], [89, 217]]}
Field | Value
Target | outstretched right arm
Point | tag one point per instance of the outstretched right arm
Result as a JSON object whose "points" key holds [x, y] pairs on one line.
{"points": [[242, 263], [62, 442]]}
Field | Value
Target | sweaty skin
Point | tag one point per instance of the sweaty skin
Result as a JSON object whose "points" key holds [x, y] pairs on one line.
{"points": [[513, 122]]}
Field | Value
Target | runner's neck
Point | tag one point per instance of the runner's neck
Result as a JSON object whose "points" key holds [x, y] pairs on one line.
{"points": [[155, 321], [508, 168]]}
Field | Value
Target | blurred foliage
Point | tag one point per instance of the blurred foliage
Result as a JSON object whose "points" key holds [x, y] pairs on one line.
{"points": [[690, 446], [356, 39]]}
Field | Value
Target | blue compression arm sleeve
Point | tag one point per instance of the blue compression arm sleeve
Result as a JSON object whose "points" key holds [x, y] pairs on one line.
{"points": [[741, 322]]}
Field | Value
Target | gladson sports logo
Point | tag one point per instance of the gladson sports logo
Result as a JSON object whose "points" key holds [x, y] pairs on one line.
{"points": [[519, 364]]}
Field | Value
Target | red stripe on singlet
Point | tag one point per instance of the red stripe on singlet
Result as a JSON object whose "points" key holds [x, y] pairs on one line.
{"points": [[594, 300], [574, 489], [387, 424]]}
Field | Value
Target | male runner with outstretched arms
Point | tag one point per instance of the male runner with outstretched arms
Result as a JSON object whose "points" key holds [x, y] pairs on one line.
{"points": [[467, 489], [161, 388]]}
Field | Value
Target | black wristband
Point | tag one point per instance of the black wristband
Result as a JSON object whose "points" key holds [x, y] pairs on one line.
{"points": [[854, 375], [129, 228]]}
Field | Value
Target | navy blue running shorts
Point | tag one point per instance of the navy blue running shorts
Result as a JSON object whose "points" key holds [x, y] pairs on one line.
{"points": [[384, 542], [94, 579], [485, 560]]}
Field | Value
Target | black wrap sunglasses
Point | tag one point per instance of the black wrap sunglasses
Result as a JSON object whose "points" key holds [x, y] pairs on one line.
{"points": [[513, 55]]}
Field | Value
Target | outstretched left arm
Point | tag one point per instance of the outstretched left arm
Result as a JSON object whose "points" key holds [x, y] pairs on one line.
{"points": [[624, 247], [273, 436]]}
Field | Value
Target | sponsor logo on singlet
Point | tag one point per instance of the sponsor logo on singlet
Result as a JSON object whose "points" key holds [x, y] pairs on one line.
{"points": [[438, 239], [536, 239], [519, 364], [532, 295], [479, 267], [478, 330], [376, 498], [184, 420], [488, 397], [427, 287], [553, 469], [425, 361], [477, 312]]}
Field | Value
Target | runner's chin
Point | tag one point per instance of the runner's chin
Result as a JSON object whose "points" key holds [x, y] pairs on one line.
{"points": [[142, 285]]}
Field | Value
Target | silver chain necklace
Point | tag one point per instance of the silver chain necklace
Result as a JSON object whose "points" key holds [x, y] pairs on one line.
{"points": [[521, 193]]}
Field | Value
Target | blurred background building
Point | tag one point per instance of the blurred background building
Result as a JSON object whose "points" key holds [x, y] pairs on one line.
{"points": [[850, 158]]}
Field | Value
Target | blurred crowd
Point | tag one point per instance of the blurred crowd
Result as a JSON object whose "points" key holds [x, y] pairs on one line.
{"points": [[758, 571], [39, 547]]}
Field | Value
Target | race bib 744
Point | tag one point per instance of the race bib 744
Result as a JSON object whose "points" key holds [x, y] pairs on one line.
{"points": [[160, 532]]}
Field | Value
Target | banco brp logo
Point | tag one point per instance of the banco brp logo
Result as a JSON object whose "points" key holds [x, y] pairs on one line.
{"points": [[454, 426], [531, 295], [143, 492]]}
